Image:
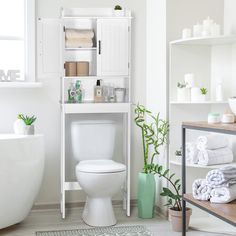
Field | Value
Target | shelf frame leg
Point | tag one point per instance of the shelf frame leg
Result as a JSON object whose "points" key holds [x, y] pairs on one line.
{"points": [[62, 164], [183, 181]]}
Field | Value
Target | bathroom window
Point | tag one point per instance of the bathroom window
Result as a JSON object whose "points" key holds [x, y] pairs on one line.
{"points": [[17, 40]]}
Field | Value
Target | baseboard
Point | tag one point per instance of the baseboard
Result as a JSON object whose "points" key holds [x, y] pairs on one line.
{"points": [[55, 206], [161, 212]]}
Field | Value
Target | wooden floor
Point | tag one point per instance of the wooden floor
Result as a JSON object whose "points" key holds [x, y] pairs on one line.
{"points": [[51, 220]]}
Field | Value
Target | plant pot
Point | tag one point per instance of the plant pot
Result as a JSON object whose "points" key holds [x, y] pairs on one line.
{"points": [[178, 158], [119, 13], [183, 94], [176, 219], [146, 195], [29, 130], [202, 98]]}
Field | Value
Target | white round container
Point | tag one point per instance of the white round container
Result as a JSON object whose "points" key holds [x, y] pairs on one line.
{"points": [[228, 119], [120, 94], [186, 33], [213, 118], [197, 30], [189, 80], [196, 94]]}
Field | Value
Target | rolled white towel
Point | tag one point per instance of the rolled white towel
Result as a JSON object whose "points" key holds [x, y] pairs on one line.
{"points": [[79, 43], [191, 153], [223, 177], [212, 141], [223, 194], [215, 157], [76, 33], [201, 190]]}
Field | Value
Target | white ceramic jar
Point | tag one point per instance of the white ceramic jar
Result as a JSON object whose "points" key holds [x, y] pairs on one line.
{"points": [[213, 118]]}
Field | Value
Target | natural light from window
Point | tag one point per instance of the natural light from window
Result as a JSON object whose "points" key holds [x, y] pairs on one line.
{"points": [[12, 37]]}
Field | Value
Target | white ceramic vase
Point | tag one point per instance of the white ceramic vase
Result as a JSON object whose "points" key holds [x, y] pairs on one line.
{"points": [[19, 127], [183, 94]]}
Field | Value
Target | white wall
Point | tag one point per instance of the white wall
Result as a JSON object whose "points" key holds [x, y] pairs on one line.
{"points": [[156, 71], [44, 103]]}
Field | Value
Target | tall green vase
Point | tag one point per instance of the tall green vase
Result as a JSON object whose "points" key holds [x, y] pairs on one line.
{"points": [[146, 195]]}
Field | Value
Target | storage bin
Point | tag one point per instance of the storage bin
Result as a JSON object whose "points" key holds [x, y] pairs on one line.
{"points": [[83, 68], [70, 68]]}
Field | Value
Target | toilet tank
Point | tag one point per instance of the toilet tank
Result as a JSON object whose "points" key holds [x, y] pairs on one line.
{"points": [[93, 140]]}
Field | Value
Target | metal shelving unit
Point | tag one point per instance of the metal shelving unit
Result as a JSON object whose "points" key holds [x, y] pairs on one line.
{"points": [[225, 212]]}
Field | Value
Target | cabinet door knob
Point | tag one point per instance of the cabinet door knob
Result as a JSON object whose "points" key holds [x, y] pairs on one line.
{"points": [[99, 47]]}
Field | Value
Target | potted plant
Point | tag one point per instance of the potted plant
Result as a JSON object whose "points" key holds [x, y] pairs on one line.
{"points": [[183, 93], [118, 11], [203, 94], [154, 133], [178, 155], [29, 127], [174, 198]]}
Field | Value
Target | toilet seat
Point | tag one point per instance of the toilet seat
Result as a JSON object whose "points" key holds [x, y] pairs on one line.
{"points": [[100, 166]]}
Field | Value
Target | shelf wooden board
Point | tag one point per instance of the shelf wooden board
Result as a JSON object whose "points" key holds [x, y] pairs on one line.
{"points": [[80, 49], [177, 163], [226, 212], [20, 85], [210, 41], [203, 125], [198, 103], [96, 108]]}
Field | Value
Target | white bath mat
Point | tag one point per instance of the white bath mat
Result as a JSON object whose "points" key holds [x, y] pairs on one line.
{"points": [[103, 231]]}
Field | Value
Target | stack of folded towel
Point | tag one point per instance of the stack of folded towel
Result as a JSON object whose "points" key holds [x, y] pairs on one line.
{"points": [[191, 153], [213, 149], [79, 38], [218, 187]]}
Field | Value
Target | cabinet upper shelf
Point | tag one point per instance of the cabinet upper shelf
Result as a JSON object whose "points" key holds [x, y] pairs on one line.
{"points": [[206, 41]]}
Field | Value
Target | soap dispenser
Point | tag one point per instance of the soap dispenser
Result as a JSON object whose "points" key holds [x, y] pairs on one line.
{"points": [[98, 93]]}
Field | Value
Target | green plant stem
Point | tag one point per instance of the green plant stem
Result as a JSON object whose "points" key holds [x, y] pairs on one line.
{"points": [[178, 203]]}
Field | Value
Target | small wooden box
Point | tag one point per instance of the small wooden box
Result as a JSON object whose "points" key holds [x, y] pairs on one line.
{"points": [[82, 68]]}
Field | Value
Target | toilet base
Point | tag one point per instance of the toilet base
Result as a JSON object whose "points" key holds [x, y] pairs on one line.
{"points": [[99, 212]]}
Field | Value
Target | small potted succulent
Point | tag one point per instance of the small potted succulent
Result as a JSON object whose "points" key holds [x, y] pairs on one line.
{"points": [[29, 127], [174, 198], [178, 155], [118, 11], [183, 93], [203, 94]]}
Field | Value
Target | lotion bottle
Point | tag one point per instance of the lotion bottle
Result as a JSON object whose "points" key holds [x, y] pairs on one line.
{"points": [[98, 93]]}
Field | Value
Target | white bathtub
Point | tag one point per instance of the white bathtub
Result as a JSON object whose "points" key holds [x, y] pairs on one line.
{"points": [[21, 172]]}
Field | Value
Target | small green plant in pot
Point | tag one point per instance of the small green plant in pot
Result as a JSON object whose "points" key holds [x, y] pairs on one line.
{"points": [[29, 121], [203, 94], [118, 11], [154, 133], [174, 198]]}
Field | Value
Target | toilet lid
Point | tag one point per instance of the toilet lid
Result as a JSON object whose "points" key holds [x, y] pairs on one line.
{"points": [[100, 166]]}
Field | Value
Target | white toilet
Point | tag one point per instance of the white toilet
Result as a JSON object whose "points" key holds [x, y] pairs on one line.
{"points": [[98, 175]]}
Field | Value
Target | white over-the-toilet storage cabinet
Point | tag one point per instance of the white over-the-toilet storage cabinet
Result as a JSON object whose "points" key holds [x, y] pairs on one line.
{"points": [[109, 60]]}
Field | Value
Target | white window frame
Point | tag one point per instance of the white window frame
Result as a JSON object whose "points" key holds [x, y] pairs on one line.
{"points": [[30, 44]]}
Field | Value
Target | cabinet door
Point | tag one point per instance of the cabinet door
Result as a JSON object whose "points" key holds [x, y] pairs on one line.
{"points": [[48, 48], [113, 43]]}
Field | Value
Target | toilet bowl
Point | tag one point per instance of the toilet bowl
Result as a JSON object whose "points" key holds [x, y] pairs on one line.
{"points": [[98, 175], [100, 179]]}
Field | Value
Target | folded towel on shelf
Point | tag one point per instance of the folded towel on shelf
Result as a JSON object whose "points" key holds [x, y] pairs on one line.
{"points": [[222, 177], [215, 157], [79, 43], [76, 33], [191, 153], [212, 141], [223, 194], [201, 190]]}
